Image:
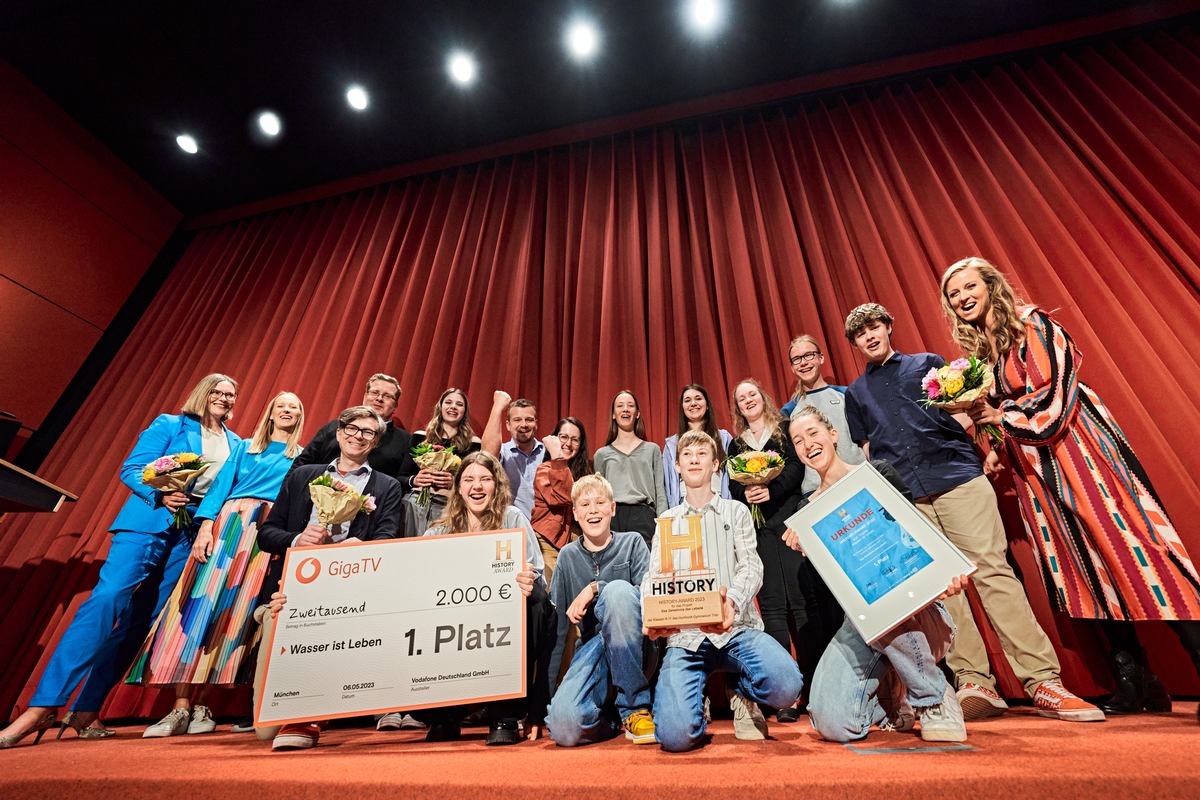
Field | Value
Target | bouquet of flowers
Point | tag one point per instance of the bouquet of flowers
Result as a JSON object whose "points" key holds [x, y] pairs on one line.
{"points": [[957, 385], [175, 473], [436, 457], [337, 502], [754, 468]]}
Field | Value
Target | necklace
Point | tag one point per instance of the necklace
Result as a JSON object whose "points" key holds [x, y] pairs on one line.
{"points": [[595, 556]]}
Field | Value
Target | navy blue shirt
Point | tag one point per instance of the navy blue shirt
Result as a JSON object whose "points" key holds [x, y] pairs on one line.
{"points": [[929, 449]]}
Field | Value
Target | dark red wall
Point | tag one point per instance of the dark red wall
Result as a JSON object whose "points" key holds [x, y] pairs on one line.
{"points": [[77, 231]]}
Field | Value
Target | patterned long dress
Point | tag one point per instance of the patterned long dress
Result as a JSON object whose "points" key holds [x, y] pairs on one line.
{"points": [[1105, 546], [205, 633]]}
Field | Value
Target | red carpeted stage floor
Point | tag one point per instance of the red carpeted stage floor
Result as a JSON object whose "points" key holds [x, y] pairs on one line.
{"points": [[1018, 755]]}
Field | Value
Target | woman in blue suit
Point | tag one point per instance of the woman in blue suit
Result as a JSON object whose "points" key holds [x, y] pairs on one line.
{"points": [[146, 557]]}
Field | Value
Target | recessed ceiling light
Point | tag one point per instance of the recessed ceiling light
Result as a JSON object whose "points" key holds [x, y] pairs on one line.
{"points": [[356, 96], [187, 144], [704, 17], [268, 122], [462, 67], [582, 39]]}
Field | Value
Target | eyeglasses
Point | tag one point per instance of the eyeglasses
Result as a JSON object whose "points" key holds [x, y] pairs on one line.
{"points": [[811, 355], [562, 437], [217, 394], [375, 393], [366, 434]]}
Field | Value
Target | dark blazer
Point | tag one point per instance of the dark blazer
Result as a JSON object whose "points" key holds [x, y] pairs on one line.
{"points": [[387, 457], [784, 488], [293, 508]]}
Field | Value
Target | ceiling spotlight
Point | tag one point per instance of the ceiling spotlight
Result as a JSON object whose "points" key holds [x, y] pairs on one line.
{"points": [[462, 67], [268, 122], [356, 96], [582, 39], [704, 17], [187, 144]]}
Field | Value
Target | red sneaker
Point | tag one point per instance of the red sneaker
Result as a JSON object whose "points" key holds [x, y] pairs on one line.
{"points": [[1052, 700], [297, 736], [980, 702]]}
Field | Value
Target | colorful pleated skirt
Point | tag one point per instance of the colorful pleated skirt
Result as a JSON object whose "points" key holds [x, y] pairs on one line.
{"points": [[205, 633]]}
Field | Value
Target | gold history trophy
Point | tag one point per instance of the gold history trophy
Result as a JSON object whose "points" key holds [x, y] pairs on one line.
{"points": [[684, 594]]}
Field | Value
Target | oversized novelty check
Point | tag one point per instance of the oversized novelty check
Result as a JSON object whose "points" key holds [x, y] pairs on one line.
{"points": [[402, 624]]}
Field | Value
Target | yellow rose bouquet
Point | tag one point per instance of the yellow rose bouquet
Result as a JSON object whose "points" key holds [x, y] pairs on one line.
{"points": [[957, 385], [754, 468], [175, 473]]}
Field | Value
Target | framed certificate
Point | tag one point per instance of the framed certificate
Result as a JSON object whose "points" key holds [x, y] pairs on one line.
{"points": [[881, 558]]}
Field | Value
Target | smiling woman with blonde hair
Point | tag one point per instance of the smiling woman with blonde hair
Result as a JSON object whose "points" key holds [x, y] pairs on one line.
{"points": [[1106, 548]]}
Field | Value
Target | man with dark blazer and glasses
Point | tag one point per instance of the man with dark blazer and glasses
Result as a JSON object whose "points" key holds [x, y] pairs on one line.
{"points": [[293, 523]]}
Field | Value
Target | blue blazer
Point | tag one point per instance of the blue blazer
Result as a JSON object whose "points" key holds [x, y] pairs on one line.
{"points": [[167, 434]]}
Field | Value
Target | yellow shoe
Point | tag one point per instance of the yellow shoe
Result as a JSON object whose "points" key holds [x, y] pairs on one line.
{"points": [[639, 727]]}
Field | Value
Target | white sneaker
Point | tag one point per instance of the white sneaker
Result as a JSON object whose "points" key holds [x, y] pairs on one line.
{"points": [[407, 723], [943, 722], [172, 724], [390, 722], [748, 720], [202, 721]]}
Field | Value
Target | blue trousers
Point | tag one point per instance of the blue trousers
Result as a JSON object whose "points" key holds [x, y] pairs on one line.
{"points": [[611, 659], [135, 582], [763, 673], [855, 685]]}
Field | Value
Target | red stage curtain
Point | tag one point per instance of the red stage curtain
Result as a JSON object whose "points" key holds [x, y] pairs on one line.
{"points": [[690, 252]]}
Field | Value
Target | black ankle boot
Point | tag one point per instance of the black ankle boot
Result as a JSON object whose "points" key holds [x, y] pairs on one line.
{"points": [[1130, 696], [1156, 699]]}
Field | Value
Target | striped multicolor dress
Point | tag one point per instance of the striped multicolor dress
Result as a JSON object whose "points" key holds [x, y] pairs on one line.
{"points": [[1105, 546], [205, 633]]}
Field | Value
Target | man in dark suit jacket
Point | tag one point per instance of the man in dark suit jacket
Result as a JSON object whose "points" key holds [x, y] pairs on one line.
{"points": [[293, 523], [390, 450]]}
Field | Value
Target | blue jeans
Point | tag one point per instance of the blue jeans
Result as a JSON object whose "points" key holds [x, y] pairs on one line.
{"points": [[763, 673], [854, 684], [135, 582], [612, 658]]}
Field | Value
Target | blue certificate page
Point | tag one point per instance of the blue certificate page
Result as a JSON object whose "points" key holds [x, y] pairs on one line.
{"points": [[874, 551]]}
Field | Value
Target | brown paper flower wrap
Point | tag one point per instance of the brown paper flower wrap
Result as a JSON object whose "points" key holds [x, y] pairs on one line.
{"points": [[435, 457], [337, 503]]}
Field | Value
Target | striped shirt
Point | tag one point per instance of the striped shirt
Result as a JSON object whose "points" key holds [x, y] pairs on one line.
{"points": [[731, 549]]}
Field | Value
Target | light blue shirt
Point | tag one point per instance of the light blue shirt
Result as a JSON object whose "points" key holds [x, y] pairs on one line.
{"points": [[520, 469], [674, 483], [257, 475]]}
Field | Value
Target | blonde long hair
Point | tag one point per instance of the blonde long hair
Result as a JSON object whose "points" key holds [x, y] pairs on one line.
{"points": [[456, 517], [266, 427], [464, 437], [197, 402], [770, 412], [1008, 330]]}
